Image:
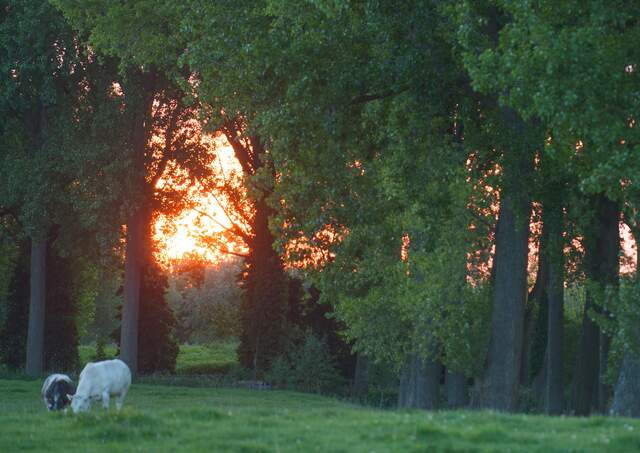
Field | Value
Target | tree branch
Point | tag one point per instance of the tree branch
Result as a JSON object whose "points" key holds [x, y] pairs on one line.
{"points": [[168, 151], [363, 98], [230, 129], [235, 229]]}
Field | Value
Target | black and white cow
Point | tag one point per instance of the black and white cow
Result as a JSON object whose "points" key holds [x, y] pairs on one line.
{"points": [[55, 391]]}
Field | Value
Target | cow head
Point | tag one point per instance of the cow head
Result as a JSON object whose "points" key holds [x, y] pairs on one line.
{"points": [[60, 397], [79, 403]]}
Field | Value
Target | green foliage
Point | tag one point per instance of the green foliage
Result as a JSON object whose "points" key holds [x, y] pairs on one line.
{"points": [[209, 309], [622, 323], [306, 367], [139, 33], [61, 313], [61, 316], [13, 334]]}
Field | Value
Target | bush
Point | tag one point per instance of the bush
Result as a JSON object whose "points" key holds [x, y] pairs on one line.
{"points": [[207, 307], [307, 367]]}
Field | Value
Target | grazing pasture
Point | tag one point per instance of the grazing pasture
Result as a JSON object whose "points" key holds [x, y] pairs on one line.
{"points": [[217, 357], [171, 418]]}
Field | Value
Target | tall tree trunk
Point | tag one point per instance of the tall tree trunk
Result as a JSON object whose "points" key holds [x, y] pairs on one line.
{"points": [[603, 389], [35, 335], [361, 378], [586, 367], [407, 385], [602, 246], [141, 105], [502, 376], [264, 305], [136, 230], [457, 392], [530, 320], [535, 333], [535, 367], [626, 397], [554, 394], [420, 383]]}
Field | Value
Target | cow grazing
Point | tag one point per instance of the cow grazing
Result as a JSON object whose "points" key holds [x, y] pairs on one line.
{"points": [[55, 391], [100, 381]]}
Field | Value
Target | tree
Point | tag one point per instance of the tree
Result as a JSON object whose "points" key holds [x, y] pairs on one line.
{"points": [[161, 147], [43, 71], [529, 71]]}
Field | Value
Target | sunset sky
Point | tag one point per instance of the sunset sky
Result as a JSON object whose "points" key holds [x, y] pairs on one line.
{"points": [[181, 235]]}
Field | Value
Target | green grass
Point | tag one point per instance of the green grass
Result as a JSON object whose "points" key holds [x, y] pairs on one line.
{"points": [[169, 418], [216, 358]]}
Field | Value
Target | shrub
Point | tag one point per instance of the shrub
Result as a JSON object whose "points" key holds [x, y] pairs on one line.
{"points": [[307, 367]]}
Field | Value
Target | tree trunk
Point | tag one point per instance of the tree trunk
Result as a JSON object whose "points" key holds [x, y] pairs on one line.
{"points": [[35, 335], [603, 389], [419, 383], [132, 275], [530, 321], [264, 305], [602, 244], [586, 368], [554, 394], [535, 334], [503, 371], [502, 375], [457, 392], [361, 378]]}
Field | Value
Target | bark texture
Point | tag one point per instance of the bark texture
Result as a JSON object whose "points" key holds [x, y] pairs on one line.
{"points": [[419, 383], [361, 378], [457, 392], [554, 392], [499, 386], [35, 334], [136, 228], [602, 244]]}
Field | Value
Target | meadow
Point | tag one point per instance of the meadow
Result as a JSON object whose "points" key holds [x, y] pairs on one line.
{"points": [[193, 359], [158, 418]]}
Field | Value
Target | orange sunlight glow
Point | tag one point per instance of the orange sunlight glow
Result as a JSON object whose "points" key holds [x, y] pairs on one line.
{"points": [[184, 235]]}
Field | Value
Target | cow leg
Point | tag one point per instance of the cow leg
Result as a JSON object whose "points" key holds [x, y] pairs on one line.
{"points": [[105, 399], [120, 399]]}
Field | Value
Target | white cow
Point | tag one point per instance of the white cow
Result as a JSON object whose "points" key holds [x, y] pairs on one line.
{"points": [[100, 381]]}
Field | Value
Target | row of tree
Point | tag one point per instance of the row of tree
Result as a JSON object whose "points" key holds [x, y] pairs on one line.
{"points": [[396, 152]]}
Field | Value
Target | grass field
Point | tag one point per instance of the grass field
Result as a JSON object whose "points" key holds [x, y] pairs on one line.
{"points": [[160, 418], [215, 358]]}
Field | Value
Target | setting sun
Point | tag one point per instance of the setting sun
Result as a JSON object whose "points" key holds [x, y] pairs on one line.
{"points": [[190, 232]]}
